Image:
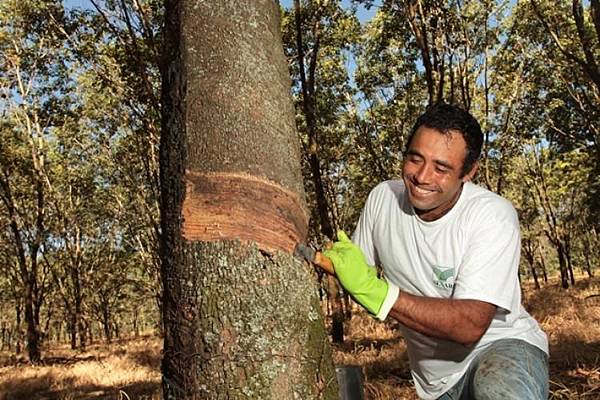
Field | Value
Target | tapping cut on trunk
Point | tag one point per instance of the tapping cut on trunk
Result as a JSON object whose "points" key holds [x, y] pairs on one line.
{"points": [[227, 206]]}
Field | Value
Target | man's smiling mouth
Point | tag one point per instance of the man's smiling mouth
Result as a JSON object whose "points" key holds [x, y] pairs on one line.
{"points": [[422, 191]]}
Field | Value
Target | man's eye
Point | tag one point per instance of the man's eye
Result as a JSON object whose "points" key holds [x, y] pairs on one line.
{"points": [[442, 170]]}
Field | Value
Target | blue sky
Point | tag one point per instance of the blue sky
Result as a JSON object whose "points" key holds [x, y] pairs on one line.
{"points": [[77, 4]]}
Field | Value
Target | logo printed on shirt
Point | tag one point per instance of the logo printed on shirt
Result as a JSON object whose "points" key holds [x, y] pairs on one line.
{"points": [[443, 277]]}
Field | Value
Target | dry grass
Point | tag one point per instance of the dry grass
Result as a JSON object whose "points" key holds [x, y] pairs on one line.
{"points": [[571, 319], [378, 348], [123, 370], [132, 369]]}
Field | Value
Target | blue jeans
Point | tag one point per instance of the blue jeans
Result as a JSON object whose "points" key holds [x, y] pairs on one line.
{"points": [[509, 369]]}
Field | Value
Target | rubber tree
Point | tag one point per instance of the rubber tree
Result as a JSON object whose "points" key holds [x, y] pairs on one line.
{"points": [[242, 317]]}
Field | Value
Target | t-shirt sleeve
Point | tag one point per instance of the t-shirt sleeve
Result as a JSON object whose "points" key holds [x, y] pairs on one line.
{"points": [[489, 271], [363, 234]]}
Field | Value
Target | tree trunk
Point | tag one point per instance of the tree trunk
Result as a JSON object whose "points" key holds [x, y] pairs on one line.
{"points": [[535, 277], [78, 315], [569, 261], [309, 108], [73, 331], [28, 272], [82, 330], [334, 296], [106, 323], [588, 264], [33, 334], [241, 315], [136, 328], [18, 332], [543, 263], [529, 253], [47, 331], [416, 19], [562, 262], [160, 327], [89, 332], [4, 337]]}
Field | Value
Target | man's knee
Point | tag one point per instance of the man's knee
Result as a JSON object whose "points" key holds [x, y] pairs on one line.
{"points": [[511, 370]]}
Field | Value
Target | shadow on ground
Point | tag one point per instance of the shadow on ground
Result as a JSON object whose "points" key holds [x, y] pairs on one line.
{"points": [[40, 388]]}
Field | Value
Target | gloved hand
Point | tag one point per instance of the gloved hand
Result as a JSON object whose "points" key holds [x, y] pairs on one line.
{"points": [[355, 275]]}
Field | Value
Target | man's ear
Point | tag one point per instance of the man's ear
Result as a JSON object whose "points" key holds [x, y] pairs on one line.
{"points": [[471, 174]]}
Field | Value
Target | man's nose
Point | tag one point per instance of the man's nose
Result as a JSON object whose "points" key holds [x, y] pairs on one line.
{"points": [[423, 174]]}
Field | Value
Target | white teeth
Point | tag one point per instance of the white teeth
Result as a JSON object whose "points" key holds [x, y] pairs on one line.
{"points": [[422, 191]]}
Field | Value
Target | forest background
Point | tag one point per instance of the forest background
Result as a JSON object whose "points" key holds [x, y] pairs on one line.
{"points": [[80, 130]]}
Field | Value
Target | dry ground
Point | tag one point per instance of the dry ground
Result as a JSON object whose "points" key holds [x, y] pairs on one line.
{"points": [[130, 369]]}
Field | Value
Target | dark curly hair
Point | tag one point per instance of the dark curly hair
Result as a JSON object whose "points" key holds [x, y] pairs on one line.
{"points": [[445, 117]]}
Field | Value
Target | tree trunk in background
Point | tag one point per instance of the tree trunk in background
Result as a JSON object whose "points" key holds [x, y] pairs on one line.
{"points": [[307, 83], [78, 317], [588, 265], [569, 259], [241, 315], [562, 263], [73, 331], [4, 338], [136, 327], [33, 334], [89, 333], [27, 252], [528, 250], [555, 228], [18, 332], [535, 277], [106, 324], [309, 108], [544, 270]]}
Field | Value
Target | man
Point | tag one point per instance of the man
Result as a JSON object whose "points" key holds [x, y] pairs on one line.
{"points": [[449, 251]]}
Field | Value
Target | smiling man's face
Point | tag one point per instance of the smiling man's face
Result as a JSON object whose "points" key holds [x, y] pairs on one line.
{"points": [[432, 171]]}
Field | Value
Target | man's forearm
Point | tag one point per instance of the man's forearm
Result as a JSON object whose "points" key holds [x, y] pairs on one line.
{"points": [[462, 321]]}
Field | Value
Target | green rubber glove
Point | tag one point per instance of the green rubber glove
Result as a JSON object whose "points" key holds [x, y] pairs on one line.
{"points": [[355, 275]]}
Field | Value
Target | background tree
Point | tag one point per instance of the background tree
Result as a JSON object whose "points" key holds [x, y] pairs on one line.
{"points": [[569, 34], [317, 37], [130, 67], [29, 46]]}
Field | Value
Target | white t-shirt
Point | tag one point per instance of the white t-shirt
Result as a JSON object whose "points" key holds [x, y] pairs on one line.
{"points": [[472, 252]]}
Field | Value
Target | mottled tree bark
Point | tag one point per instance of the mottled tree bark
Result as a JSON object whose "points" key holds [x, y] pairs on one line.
{"points": [[241, 315]]}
